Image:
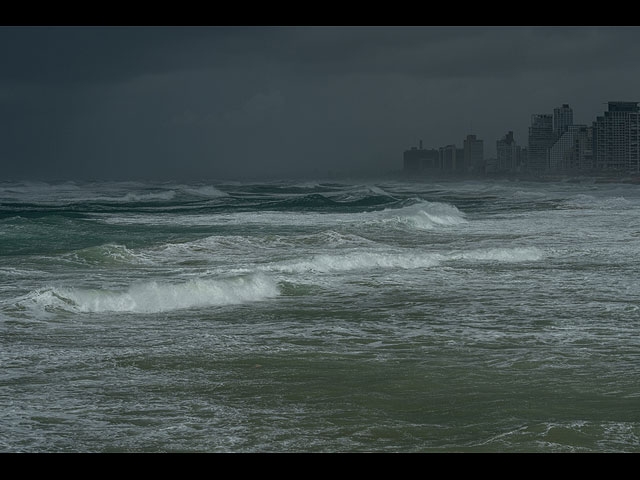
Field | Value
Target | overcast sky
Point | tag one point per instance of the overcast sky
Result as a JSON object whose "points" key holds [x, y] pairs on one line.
{"points": [[213, 103]]}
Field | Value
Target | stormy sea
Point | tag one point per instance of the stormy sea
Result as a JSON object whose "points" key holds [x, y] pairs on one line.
{"points": [[320, 316]]}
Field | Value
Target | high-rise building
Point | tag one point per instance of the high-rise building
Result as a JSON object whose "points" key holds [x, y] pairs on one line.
{"points": [[460, 166], [451, 159], [616, 138], [562, 119], [508, 154], [473, 154], [584, 148], [420, 159], [572, 151], [541, 138]]}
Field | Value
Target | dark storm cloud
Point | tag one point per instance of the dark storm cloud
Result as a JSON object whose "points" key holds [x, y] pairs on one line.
{"points": [[233, 101], [448, 51], [106, 54]]}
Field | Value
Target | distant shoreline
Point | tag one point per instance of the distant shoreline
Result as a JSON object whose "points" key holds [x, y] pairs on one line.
{"points": [[559, 178]]}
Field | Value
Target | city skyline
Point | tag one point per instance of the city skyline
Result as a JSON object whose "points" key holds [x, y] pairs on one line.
{"points": [[554, 144]]}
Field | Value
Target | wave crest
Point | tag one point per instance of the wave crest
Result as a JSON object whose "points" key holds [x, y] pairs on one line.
{"points": [[359, 260], [424, 215], [155, 297], [518, 254], [362, 260]]}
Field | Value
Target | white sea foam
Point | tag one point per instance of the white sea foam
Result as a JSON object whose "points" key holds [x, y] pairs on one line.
{"points": [[368, 260], [222, 248], [528, 194], [357, 261], [18, 272], [378, 191], [309, 185], [153, 297], [583, 201], [214, 248], [518, 254], [208, 191], [332, 238], [241, 218], [359, 193], [423, 215]]}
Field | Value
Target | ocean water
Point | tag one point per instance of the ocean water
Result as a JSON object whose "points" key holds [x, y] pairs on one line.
{"points": [[335, 316]]}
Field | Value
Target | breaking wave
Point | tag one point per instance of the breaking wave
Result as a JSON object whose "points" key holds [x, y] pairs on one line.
{"points": [[362, 260], [518, 254], [358, 260], [528, 195], [155, 297], [423, 215], [420, 215]]}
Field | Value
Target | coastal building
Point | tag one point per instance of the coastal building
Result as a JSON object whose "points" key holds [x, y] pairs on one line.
{"points": [[541, 138], [508, 154], [562, 119], [451, 159], [616, 138], [584, 149], [523, 158], [411, 160], [491, 165], [572, 151], [473, 154], [419, 159]]}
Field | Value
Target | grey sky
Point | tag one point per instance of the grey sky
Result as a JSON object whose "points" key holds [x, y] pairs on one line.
{"points": [[229, 102]]}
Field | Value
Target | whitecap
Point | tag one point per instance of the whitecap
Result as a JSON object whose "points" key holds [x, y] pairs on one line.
{"points": [[154, 297], [518, 254], [356, 261], [207, 191], [424, 215], [372, 260]]}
